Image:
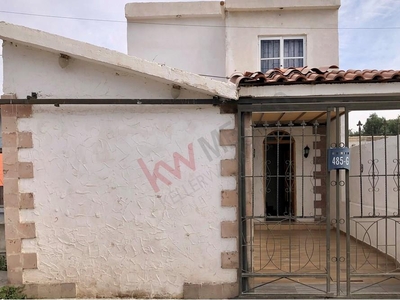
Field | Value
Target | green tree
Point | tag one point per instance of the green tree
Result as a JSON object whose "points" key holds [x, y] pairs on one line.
{"points": [[374, 125], [393, 126]]}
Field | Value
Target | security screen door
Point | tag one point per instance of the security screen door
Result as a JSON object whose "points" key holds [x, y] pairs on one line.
{"points": [[319, 208]]}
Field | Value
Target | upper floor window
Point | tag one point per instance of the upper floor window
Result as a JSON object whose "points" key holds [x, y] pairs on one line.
{"points": [[283, 52]]}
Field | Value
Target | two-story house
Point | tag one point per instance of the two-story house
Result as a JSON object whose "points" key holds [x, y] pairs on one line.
{"points": [[196, 166]]}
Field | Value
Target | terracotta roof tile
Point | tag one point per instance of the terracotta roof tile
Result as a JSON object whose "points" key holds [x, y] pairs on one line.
{"points": [[305, 75]]}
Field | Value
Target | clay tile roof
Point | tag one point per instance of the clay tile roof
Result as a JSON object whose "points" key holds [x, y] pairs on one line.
{"points": [[306, 75]]}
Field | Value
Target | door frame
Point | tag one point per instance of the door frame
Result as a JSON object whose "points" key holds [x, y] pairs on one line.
{"points": [[293, 155]]}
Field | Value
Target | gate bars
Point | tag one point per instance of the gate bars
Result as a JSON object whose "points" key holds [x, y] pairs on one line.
{"points": [[310, 260], [355, 227]]}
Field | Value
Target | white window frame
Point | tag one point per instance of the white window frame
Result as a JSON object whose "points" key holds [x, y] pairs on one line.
{"points": [[281, 48]]}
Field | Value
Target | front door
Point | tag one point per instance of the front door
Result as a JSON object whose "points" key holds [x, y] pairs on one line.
{"points": [[279, 175]]}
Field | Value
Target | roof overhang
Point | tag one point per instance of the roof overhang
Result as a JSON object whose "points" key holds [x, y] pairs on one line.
{"points": [[162, 10], [116, 60], [201, 9], [262, 5], [296, 118], [309, 104], [334, 90]]}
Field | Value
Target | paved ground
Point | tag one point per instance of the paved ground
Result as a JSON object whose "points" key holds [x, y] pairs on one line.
{"points": [[284, 250]]}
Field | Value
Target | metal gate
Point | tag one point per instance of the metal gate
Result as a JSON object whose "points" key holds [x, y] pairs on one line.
{"points": [[319, 209]]}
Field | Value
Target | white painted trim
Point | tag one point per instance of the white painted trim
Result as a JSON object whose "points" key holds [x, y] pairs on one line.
{"points": [[174, 10], [323, 89], [116, 60], [171, 10], [263, 5]]}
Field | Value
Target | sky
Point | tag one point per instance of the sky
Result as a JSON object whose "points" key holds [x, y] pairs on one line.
{"points": [[369, 34]]}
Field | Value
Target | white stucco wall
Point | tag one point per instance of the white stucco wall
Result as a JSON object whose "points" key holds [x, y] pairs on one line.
{"points": [[192, 44], [307, 172], [99, 221], [28, 70]]}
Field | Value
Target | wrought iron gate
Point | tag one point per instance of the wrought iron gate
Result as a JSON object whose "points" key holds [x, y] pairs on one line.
{"points": [[307, 230]]}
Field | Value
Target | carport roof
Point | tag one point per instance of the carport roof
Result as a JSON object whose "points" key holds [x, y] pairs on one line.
{"points": [[306, 75]]}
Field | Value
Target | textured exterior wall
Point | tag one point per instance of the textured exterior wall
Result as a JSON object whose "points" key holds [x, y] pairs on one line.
{"points": [[28, 70], [100, 222], [123, 200]]}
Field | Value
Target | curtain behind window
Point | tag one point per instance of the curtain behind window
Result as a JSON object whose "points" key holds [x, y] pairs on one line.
{"points": [[293, 48], [270, 49], [293, 54]]}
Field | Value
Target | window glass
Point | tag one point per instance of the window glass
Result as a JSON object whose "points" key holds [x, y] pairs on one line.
{"points": [[282, 53], [269, 64], [293, 48], [293, 63], [270, 49]]}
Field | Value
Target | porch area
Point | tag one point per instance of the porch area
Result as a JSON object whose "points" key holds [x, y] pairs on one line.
{"points": [[294, 255]]}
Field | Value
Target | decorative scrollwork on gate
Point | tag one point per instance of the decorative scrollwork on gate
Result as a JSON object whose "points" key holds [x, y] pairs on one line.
{"points": [[396, 175], [283, 247], [373, 175], [375, 245]]}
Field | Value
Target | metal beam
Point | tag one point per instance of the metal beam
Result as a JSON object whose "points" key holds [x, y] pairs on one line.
{"points": [[320, 106], [57, 102], [319, 99]]}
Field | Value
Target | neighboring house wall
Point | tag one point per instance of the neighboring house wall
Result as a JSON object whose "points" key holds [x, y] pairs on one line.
{"points": [[91, 212], [373, 231], [355, 140]]}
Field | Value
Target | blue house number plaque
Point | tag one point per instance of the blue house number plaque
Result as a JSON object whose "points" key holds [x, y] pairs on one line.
{"points": [[338, 158]]}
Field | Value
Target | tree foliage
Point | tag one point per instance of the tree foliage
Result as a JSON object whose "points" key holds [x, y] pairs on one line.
{"points": [[376, 125]]}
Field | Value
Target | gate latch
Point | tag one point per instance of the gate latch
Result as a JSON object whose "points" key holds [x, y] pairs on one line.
{"points": [[339, 158]]}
